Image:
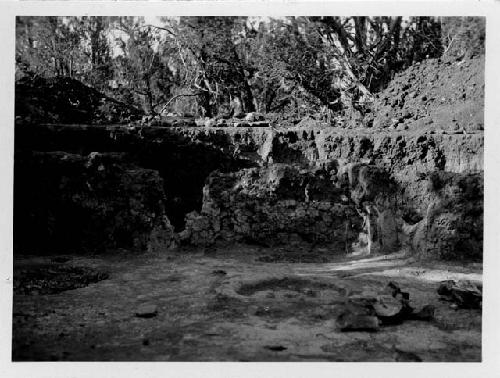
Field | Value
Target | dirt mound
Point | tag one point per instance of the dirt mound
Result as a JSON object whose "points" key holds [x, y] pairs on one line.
{"points": [[434, 95], [54, 279], [65, 100]]}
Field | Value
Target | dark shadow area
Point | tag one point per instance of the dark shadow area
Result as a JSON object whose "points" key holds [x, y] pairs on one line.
{"points": [[88, 188]]}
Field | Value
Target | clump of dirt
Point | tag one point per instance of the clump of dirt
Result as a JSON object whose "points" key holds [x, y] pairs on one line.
{"points": [[54, 279], [66, 100], [434, 94]]}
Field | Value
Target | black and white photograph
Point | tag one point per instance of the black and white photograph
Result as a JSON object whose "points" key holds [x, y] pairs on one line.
{"points": [[248, 188]]}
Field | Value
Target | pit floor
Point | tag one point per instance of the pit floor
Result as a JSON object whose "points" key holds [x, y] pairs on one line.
{"points": [[226, 305]]}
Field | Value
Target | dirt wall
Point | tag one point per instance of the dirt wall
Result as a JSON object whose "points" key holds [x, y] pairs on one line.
{"points": [[352, 189]]}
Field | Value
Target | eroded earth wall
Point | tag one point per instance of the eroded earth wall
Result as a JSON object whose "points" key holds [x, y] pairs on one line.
{"points": [[122, 187], [419, 190]]}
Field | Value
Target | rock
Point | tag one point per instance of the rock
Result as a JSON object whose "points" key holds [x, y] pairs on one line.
{"points": [[387, 307], [237, 108], [210, 122], [426, 313], [465, 294], [394, 122], [396, 291], [221, 123], [395, 308], [365, 301], [309, 122], [251, 117], [146, 311], [407, 114], [360, 310]]}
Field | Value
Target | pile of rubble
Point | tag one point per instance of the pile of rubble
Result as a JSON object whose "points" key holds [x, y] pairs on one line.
{"points": [[248, 120], [370, 312], [434, 95], [462, 294], [66, 100]]}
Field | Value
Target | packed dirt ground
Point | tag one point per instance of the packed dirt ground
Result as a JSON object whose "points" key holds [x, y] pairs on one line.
{"points": [[227, 304]]}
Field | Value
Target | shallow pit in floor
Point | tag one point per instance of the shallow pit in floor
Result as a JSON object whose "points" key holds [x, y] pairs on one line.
{"points": [[300, 285]]}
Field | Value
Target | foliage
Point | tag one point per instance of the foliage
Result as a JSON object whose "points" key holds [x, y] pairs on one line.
{"points": [[209, 66], [463, 36]]}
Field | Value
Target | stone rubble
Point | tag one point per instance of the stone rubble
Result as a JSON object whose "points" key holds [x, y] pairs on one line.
{"points": [[464, 294], [146, 311], [369, 312]]}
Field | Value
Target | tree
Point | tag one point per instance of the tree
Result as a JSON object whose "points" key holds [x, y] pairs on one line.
{"points": [[371, 49], [213, 46], [74, 47], [141, 66], [46, 46], [200, 65]]}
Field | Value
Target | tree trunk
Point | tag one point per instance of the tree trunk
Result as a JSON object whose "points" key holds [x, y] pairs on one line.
{"points": [[360, 36], [149, 96]]}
